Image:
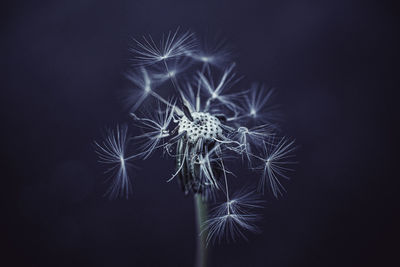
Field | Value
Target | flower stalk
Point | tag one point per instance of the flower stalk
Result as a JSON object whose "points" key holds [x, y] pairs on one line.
{"points": [[201, 217]]}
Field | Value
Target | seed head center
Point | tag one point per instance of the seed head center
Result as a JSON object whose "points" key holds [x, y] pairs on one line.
{"points": [[204, 125]]}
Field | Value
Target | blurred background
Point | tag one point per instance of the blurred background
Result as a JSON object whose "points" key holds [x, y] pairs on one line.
{"points": [[335, 67]]}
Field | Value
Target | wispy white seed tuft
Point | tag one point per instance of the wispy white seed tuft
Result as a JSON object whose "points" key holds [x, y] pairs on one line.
{"points": [[277, 159], [112, 152], [172, 45]]}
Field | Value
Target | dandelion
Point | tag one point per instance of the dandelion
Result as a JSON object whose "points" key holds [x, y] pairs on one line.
{"points": [[205, 124]]}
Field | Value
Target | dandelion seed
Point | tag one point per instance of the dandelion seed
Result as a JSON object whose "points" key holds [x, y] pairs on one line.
{"points": [[175, 67], [217, 92], [215, 53], [244, 201], [143, 88], [277, 158], [171, 46], [253, 136], [231, 219], [112, 152], [256, 104]]}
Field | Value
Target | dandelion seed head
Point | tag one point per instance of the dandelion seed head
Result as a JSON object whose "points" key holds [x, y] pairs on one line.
{"points": [[214, 122]]}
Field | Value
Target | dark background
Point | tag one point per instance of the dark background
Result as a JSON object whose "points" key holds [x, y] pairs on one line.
{"points": [[334, 64]]}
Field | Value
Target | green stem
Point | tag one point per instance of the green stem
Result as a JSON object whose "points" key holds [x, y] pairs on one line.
{"points": [[201, 217]]}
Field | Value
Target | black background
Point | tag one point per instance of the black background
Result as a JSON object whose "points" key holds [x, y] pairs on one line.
{"points": [[334, 64]]}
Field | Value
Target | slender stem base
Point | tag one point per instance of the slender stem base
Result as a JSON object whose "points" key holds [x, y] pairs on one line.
{"points": [[201, 217]]}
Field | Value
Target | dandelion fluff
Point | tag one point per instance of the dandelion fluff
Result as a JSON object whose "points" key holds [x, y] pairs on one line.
{"points": [[112, 153], [210, 125]]}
